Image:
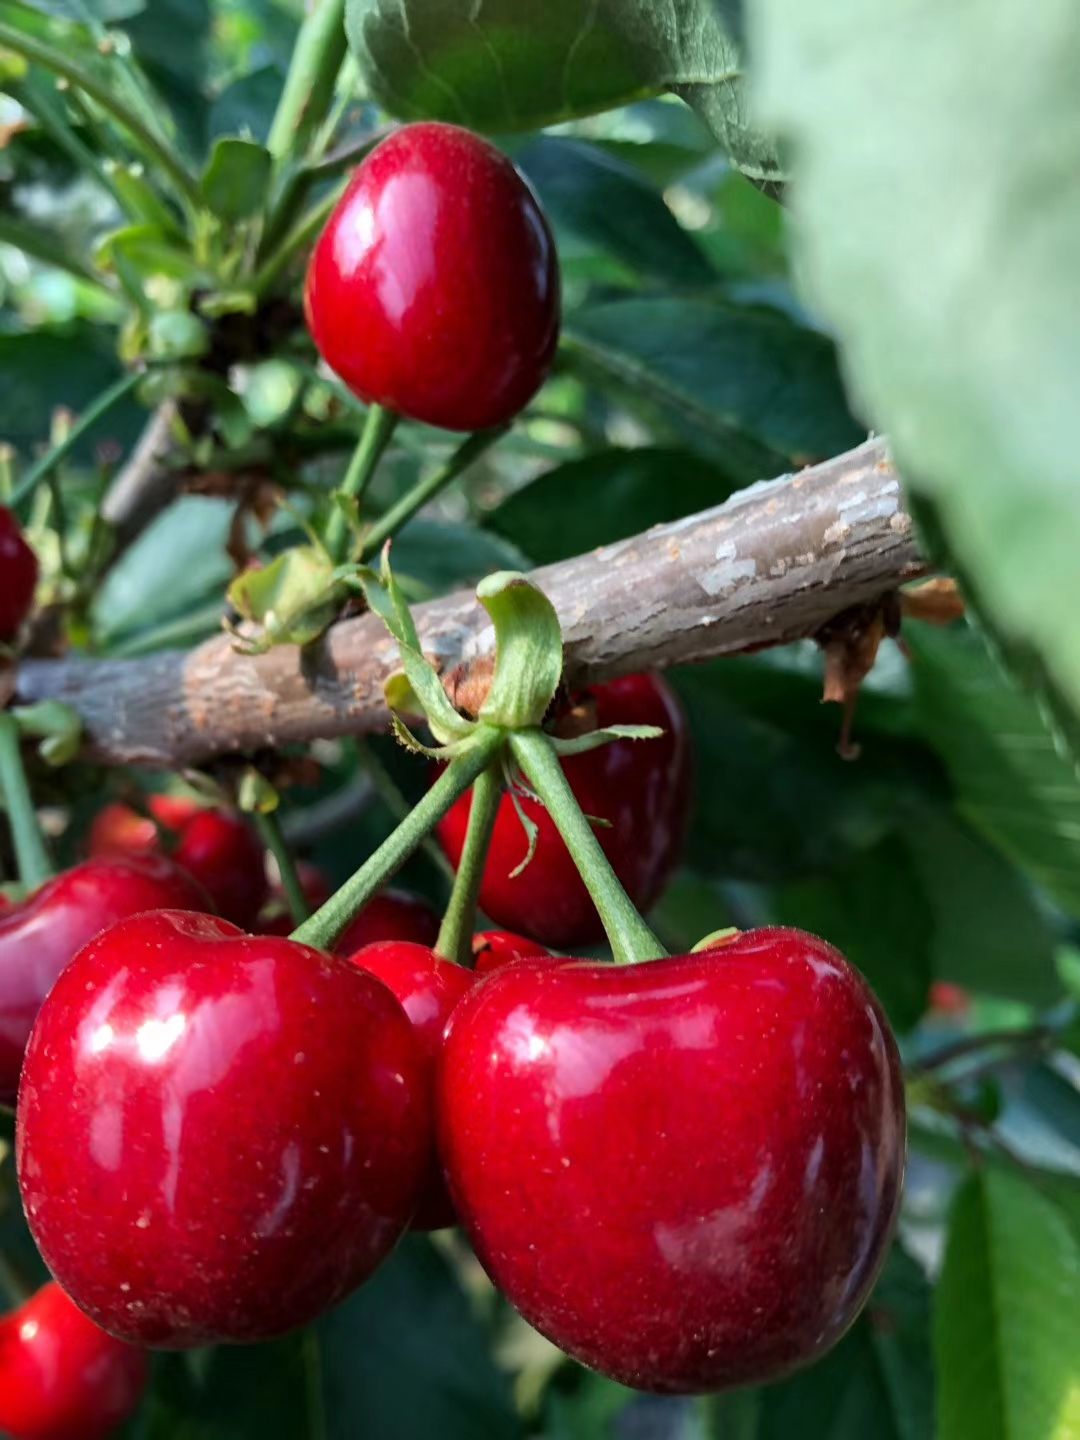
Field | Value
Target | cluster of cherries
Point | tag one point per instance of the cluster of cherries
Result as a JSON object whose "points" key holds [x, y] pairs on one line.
{"points": [[684, 1171]]}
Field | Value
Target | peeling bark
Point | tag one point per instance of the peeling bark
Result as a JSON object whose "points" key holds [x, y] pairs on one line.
{"points": [[772, 564]]}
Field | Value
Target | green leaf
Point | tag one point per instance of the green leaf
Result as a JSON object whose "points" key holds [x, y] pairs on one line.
{"points": [[150, 250], [292, 599], [875, 910], [609, 203], [1011, 783], [877, 1382], [743, 380], [406, 1359], [938, 225], [237, 178], [606, 497], [502, 65], [990, 933], [1007, 1321]]}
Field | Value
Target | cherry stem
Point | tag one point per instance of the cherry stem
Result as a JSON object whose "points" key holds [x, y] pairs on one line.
{"points": [[270, 833], [323, 928], [415, 499], [31, 853], [309, 86], [630, 938], [397, 805], [455, 935], [378, 428]]}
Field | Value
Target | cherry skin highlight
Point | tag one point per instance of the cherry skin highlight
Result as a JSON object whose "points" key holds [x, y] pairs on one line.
{"points": [[61, 1376], [434, 288], [428, 988], [685, 1173], [41, 934], [242, 1122], [18, 576], [217, 846], [642, 787]]}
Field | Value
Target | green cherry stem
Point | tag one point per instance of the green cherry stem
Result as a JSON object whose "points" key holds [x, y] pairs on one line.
{"points": [[455, 935], [328, 922], [378, 429], [630, 938], [415, 499], [31, 854], [268, 824], [309, 85]]}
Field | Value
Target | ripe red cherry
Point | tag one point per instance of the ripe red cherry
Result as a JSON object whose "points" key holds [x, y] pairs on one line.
{"points": [[492, 949], [18, 576], [427, 987], [243, 1123], [685, 1173], [391, 915], [61, 1376], [434, 288], [217, 846], [641, 786], [39, 936]]}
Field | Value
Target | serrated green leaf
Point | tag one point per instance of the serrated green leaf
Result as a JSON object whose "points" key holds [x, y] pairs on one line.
{"points": [[1011, 783], [502, 65], [237, 178], [1007, 1316], [606, 497], [743, 382], [938, 225]]}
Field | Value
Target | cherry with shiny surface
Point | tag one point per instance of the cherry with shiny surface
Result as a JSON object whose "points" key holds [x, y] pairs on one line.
{"points": [[217, 846], [18, 576], [41, 934], [427, 987], [434, 288], [61, 1376], [390, 915], [218, 1135], [641, 787], [492, 949], [685, 1173]]}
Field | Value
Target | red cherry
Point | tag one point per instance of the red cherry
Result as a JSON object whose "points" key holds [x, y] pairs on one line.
{"points": [[434, 288], [685, 1173], [276, 918], [39, 936], [18, 576], [241, 1121], [391, 915], [642, 787], [217, 846], [947, 999], [61, 1377], [492, 949], [427, 987]]}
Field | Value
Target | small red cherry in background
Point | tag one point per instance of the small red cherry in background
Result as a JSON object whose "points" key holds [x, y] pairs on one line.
{"points": [[642, 787], [276, 918], [434, 288], [217, 846], [949, 1000], [390, 915], [18, 576], [61, 1376], [245, 1121], [41, 934], [685, 1173], [427, 987], [492, 949]]}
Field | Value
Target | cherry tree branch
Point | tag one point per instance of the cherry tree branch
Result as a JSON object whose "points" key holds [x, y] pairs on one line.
{"points": [[772, 564]]}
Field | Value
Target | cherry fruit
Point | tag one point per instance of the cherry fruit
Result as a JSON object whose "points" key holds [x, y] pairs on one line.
{"points": [[39, 936], [685, 1173], [18, 576], [390, 915], [640, 787], [217, 846], [243, 1123], [492, 949], [61, 1376], [428, 988], [434, 288]]}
